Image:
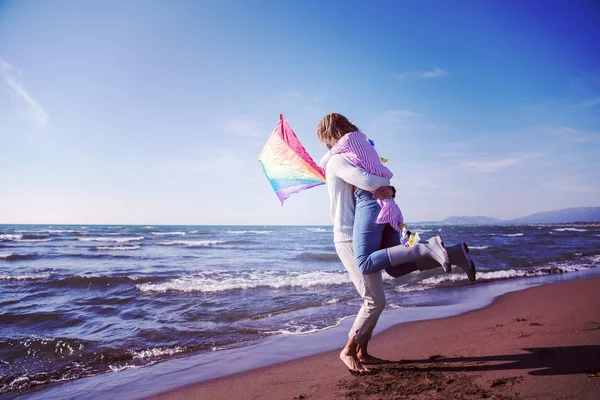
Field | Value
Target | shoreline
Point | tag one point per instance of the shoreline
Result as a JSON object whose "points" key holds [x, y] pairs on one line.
{"points": [[204, 368], [526, 344]]}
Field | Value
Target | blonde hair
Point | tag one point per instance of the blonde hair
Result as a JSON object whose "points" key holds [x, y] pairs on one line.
{"points": [[333, 127]]}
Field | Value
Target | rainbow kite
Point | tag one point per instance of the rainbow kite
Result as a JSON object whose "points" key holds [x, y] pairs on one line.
{"points": [[286, 163]]}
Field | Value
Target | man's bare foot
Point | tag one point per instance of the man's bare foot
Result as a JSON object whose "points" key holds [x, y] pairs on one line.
{"points": [[353, 363]]}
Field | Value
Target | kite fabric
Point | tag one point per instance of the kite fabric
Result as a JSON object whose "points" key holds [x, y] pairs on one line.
{"points": [[287, 164]]}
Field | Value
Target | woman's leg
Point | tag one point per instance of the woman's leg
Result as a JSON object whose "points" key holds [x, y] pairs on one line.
{"points": [[426, 255], [368, 235], [391, 238], [371, 257]]}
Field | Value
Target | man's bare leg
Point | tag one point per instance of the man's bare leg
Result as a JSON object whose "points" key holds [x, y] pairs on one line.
{"points": [[365, 358], [350, 358]]}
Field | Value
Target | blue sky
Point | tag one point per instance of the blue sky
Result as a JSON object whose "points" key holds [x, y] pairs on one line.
{"points": [[154, 112]]}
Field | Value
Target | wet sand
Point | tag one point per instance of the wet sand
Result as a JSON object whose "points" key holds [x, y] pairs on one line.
{"points": [[540, 343]]}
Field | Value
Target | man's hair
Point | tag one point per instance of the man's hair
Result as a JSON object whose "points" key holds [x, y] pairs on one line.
{"points": [[333, 127]]}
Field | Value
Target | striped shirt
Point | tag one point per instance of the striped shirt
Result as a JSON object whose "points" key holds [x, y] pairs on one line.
{"points": [[358, 150]]}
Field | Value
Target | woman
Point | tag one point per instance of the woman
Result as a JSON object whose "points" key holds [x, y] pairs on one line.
{"points": [[342, 177]]}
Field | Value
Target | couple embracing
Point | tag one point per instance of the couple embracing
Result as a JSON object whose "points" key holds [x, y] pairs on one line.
{"points": [[366, 225]]}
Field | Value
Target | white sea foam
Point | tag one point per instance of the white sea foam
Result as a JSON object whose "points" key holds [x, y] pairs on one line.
{"points": [[157, 352], [220, 282], [168, 233], [501, 274], [319, 230], [118, 368], [112, 239], [8, 236], [513, 234], [29, 277], [304, 330], [118, 248], [4, 256], [445, 279], [34, 240], [478, 247], [570, 230], [410, 288], [192, 243]]}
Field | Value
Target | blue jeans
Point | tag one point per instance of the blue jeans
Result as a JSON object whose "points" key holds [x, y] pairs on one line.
{"points": [[370, 239]]}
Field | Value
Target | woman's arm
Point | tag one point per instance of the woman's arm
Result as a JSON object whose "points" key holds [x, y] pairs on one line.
{"points": [[340, 167]]}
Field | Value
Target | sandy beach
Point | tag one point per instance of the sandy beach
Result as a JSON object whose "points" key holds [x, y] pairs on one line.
{"points": [[542, 342]]}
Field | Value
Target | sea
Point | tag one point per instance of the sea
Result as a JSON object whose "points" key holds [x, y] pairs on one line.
{"points": [[84, 300]]}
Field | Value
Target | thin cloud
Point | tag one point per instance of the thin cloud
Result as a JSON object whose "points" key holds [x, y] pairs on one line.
{"points": [[589, 103], [432, 74], [10, 76], [245, 127], [393, 120], [220, 162], [573, 135], [498, 164]]}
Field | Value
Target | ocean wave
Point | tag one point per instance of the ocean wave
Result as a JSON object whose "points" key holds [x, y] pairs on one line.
{"points": [[220, 282], [10, 237], [304, 330], [119, 368], [447, 280], [115, 248], [320, 257], [319, 230], [570, 230], [157, 352], [504, 274], [16, 257], [112, 239], [168, 233], [408, 288], [82, 281], [38, 231], [192, 243], [249, 232], [34, 240], [53, 360], [512, 234], [34, 236], [478, 247], [27, 277]]}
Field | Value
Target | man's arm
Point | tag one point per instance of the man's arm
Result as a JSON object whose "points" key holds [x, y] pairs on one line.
{"points": [[340, 167]]}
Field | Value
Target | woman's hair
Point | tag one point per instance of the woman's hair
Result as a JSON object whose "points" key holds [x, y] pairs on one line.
{"points": [[333, 127]]}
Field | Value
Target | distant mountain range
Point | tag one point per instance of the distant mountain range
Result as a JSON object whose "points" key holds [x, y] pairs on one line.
{"points": [[567, 215]]}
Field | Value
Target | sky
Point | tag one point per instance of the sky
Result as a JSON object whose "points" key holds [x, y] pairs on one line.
{"points": [[154, 112]]}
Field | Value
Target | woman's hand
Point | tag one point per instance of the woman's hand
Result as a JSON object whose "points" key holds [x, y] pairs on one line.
{"points": [[385, 192]]}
